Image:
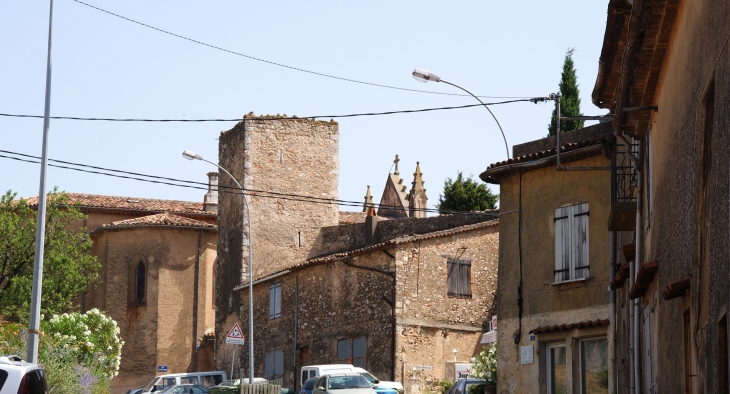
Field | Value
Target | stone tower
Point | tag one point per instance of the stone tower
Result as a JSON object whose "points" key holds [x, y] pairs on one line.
{"points": [[417, 198], [273, 157]]}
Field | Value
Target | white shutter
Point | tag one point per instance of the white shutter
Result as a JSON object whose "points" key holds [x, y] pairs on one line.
{"points": [[562, 244], [269, 365], [579, 242], [277, 302]]}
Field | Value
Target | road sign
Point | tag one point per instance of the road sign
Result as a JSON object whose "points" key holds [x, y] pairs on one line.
{"points": [[235, 336], [162, 368], [526, 355], [425, 367]]}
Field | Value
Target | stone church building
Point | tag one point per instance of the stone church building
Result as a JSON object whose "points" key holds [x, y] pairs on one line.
{"points": [[385, 289]]}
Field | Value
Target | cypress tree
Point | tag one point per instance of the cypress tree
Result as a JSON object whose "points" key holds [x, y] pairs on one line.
{"points": [[569, 97]]}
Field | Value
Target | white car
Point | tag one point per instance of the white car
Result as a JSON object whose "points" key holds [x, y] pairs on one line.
{"points": [[381, 383], [17, 376]]}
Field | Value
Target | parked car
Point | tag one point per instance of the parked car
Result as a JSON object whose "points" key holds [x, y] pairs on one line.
{"points": [[462, 386], [205, 379], [135, 391], [185, 389], [308, 385], [343, 383], [383, 385], [17, 376], [237, 382], [310, 371]]}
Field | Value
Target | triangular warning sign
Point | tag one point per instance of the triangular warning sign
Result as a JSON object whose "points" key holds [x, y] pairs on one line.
{"points": [[235, 332]]}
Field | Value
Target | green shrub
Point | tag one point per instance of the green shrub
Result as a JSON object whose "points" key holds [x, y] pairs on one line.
{"points": [[443, 385]]}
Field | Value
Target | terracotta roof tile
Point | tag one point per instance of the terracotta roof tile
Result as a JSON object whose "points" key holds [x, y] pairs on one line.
{"points": [[132, 204], [571, 326], [644, 277], [159, 220], [550, 152]]}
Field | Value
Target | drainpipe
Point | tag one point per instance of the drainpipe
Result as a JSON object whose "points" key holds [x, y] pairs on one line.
{"points": [[197, 302], [296, 331], [635, 267], [612, 319]]}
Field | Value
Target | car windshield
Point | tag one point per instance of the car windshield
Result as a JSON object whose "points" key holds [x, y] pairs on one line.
{"points": [[347, 382], [369, 377], [309, 384]]}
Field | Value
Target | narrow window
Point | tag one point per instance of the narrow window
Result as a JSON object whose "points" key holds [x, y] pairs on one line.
{"points": [[139, 283], [459, 277], [571, 243], [556, 369], [722, 354], [594, 366], [274, 364], [275, 301], [352, 351]]}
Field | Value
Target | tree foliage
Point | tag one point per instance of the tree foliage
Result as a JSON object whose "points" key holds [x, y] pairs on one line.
{"points": [[485, 364], [466, 195], [68, 268], [569, 98]]}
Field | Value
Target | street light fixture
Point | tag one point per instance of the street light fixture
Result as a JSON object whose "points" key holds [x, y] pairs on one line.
{"points": [[190, 155], [424, 76]]}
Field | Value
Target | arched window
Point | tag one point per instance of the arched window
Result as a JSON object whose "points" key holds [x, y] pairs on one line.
{"points": [[139, 283]]}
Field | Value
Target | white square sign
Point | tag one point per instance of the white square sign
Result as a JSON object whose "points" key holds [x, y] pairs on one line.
{"points": [[526, 355]]}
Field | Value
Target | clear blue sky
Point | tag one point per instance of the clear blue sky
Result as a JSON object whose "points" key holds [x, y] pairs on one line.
{"points": [[104, 66]]}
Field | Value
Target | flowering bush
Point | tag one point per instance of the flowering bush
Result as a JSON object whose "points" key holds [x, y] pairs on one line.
{"points": [[92, 336], [485, 364], [80, 352]]}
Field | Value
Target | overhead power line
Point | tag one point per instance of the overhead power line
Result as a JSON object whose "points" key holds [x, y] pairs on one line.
{"points": [[201, 185], [279, 64], [408, 111]]}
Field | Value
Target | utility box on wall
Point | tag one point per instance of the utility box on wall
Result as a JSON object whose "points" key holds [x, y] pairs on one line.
{"points": [[457, 370]]}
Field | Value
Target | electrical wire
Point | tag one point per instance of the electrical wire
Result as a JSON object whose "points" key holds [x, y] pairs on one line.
{"points": [[204, 186], [279, 64], [408, 111]]}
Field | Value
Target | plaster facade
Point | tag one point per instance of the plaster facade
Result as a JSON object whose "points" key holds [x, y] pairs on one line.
{"points": [[529, 294]]}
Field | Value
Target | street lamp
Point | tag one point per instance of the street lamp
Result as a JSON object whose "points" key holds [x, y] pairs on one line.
{"points": [[190, 155], [424, 76]]}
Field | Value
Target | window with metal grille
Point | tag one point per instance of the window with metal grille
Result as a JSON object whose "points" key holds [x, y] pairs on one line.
{"points": [[459, 278], [275, 301], [571, 243], [352, 351], [274, 365]]}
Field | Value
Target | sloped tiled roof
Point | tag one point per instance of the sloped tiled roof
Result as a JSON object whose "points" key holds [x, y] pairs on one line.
{"points": [[394, 241], [159, 220], [571, 326], [550, 152], [132, 204]]}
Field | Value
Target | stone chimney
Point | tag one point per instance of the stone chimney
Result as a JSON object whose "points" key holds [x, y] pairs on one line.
{"points": [[371, 225], [210, 200]]}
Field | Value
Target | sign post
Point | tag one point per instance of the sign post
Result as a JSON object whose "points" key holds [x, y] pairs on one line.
{"points": [[235, 337]]}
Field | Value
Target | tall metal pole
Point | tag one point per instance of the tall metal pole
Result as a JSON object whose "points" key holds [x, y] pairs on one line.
{"points": [[250, 271], [35, 304], [490, 111]]}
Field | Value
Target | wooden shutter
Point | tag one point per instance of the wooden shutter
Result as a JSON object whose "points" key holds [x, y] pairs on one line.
{"points": [[453, 277], [464, 278], [562, 244], [269, 365], [579, 242]]}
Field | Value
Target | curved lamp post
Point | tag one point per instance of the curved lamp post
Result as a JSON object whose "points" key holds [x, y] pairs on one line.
{"points": [[424, 76], [190, 155]]}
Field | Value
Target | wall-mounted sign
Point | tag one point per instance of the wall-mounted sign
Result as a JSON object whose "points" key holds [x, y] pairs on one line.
{"points": [[489, 337], [532, 337], [162, 368], [494, 323], [526, 355], [425, 367], [462, 371]]}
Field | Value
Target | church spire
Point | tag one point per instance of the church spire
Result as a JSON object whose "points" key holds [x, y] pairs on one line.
{"points": [[368, 201], [417, 198]]}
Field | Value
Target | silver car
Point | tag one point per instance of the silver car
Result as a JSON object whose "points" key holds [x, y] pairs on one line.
{"points": [[343, 383]]}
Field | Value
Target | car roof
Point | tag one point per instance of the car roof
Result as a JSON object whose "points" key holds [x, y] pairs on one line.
{"points": [[329, 366], [342, 374], [15, 361], [175, 375]]}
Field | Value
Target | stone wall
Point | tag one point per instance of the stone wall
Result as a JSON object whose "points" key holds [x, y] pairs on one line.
{"points": [[334, 239], [293, 156], [161, 331], [431, 324]]}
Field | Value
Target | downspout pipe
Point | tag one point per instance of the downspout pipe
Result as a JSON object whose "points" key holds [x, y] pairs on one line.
{"points": [[639, 224], [612, 319], [196, 345], [628, 63]]}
